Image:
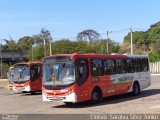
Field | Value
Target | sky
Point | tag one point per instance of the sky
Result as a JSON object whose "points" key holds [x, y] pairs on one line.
{"points": [[66, 18]]}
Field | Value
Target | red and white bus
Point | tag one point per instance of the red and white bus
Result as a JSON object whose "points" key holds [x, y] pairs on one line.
{"points": [[10, 78], [28, 77], [79, 77]]}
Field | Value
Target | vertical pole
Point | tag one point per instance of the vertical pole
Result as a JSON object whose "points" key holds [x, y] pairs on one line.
{"points": [[1, 58], [107, 44], [131, 42], [44, 41], [32, 54], [50, 46], [51, 43]]}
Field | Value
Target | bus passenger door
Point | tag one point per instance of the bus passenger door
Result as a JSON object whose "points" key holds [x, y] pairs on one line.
{"points": [[82, 72], [36, 77]]}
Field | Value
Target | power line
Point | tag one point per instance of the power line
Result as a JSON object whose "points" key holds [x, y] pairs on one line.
{"points": [[115, 31], [102, 34], [140, 29], [125, 29]]}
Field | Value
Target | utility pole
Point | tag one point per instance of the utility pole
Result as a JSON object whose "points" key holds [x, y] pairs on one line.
{"points": [[1, 58], [107, 43], [44, 44], [50, 44], [32, 54], [50, 47], [131, 41]]}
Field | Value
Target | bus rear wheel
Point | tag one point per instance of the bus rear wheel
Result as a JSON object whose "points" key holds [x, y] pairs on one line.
{"points": [[96, 96], [136, 88]]}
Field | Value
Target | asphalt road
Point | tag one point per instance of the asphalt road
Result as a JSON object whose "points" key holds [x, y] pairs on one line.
{"points": [[147, 102]]}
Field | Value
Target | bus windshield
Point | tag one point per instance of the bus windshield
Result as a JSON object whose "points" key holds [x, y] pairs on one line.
{"points": [[58, 73], [22, 73]]}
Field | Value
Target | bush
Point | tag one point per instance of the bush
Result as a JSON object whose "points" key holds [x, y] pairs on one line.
{"points": [[5, 68], [154, 57]]}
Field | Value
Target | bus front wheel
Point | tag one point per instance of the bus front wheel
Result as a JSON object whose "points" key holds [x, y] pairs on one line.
{"points": [[68, 103], [33, 92], [96, 96]]}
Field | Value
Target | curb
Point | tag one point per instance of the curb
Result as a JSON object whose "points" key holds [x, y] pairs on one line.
{"points": [[155, 74]]}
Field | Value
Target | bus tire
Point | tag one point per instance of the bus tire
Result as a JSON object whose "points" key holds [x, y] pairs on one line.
{"points": [[24, 91], [96, 96], [136, 88], [33, 92], [68, 103]]}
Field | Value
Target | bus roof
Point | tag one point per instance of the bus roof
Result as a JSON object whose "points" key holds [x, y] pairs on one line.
{"points": [[94, 55], [137, 56], [89, 55], [28, 63]]}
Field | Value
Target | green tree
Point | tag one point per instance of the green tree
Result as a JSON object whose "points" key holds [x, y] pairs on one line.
{"points": [[88, 35], [146, 42], [36, 53], [44, 35], [65, 47], [10, 45], [155, 47], [25, 43]]}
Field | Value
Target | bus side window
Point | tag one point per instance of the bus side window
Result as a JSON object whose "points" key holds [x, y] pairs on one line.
{"points": [[35, 72], [109, 67], [81, 71], [120, 66], [129, 66], [97, 67], [137, 65], [145, 65]]}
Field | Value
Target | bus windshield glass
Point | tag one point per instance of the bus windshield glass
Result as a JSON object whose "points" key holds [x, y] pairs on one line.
{"points": [[22, 73], [58, 73]]}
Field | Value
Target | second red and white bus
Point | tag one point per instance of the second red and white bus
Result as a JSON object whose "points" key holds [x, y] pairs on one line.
{"points": [[78, 77], [28, 77], [10, 78]]}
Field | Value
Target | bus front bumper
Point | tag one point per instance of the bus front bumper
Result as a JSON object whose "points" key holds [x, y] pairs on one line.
{"points": [[68, 98], [22, 89]]}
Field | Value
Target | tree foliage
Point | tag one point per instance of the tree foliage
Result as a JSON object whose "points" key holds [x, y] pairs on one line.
{"points": [[147, 42], [44, 37], [25, 43], [10, 45], [66, 46], [88, 35]]}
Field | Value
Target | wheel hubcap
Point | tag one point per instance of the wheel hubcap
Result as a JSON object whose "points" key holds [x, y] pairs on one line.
{"points": [[95, 96]]}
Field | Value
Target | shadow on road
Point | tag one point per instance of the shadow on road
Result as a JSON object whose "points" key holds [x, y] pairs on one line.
{"points": [[112, 100], [30, 94], [6, 92]]}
